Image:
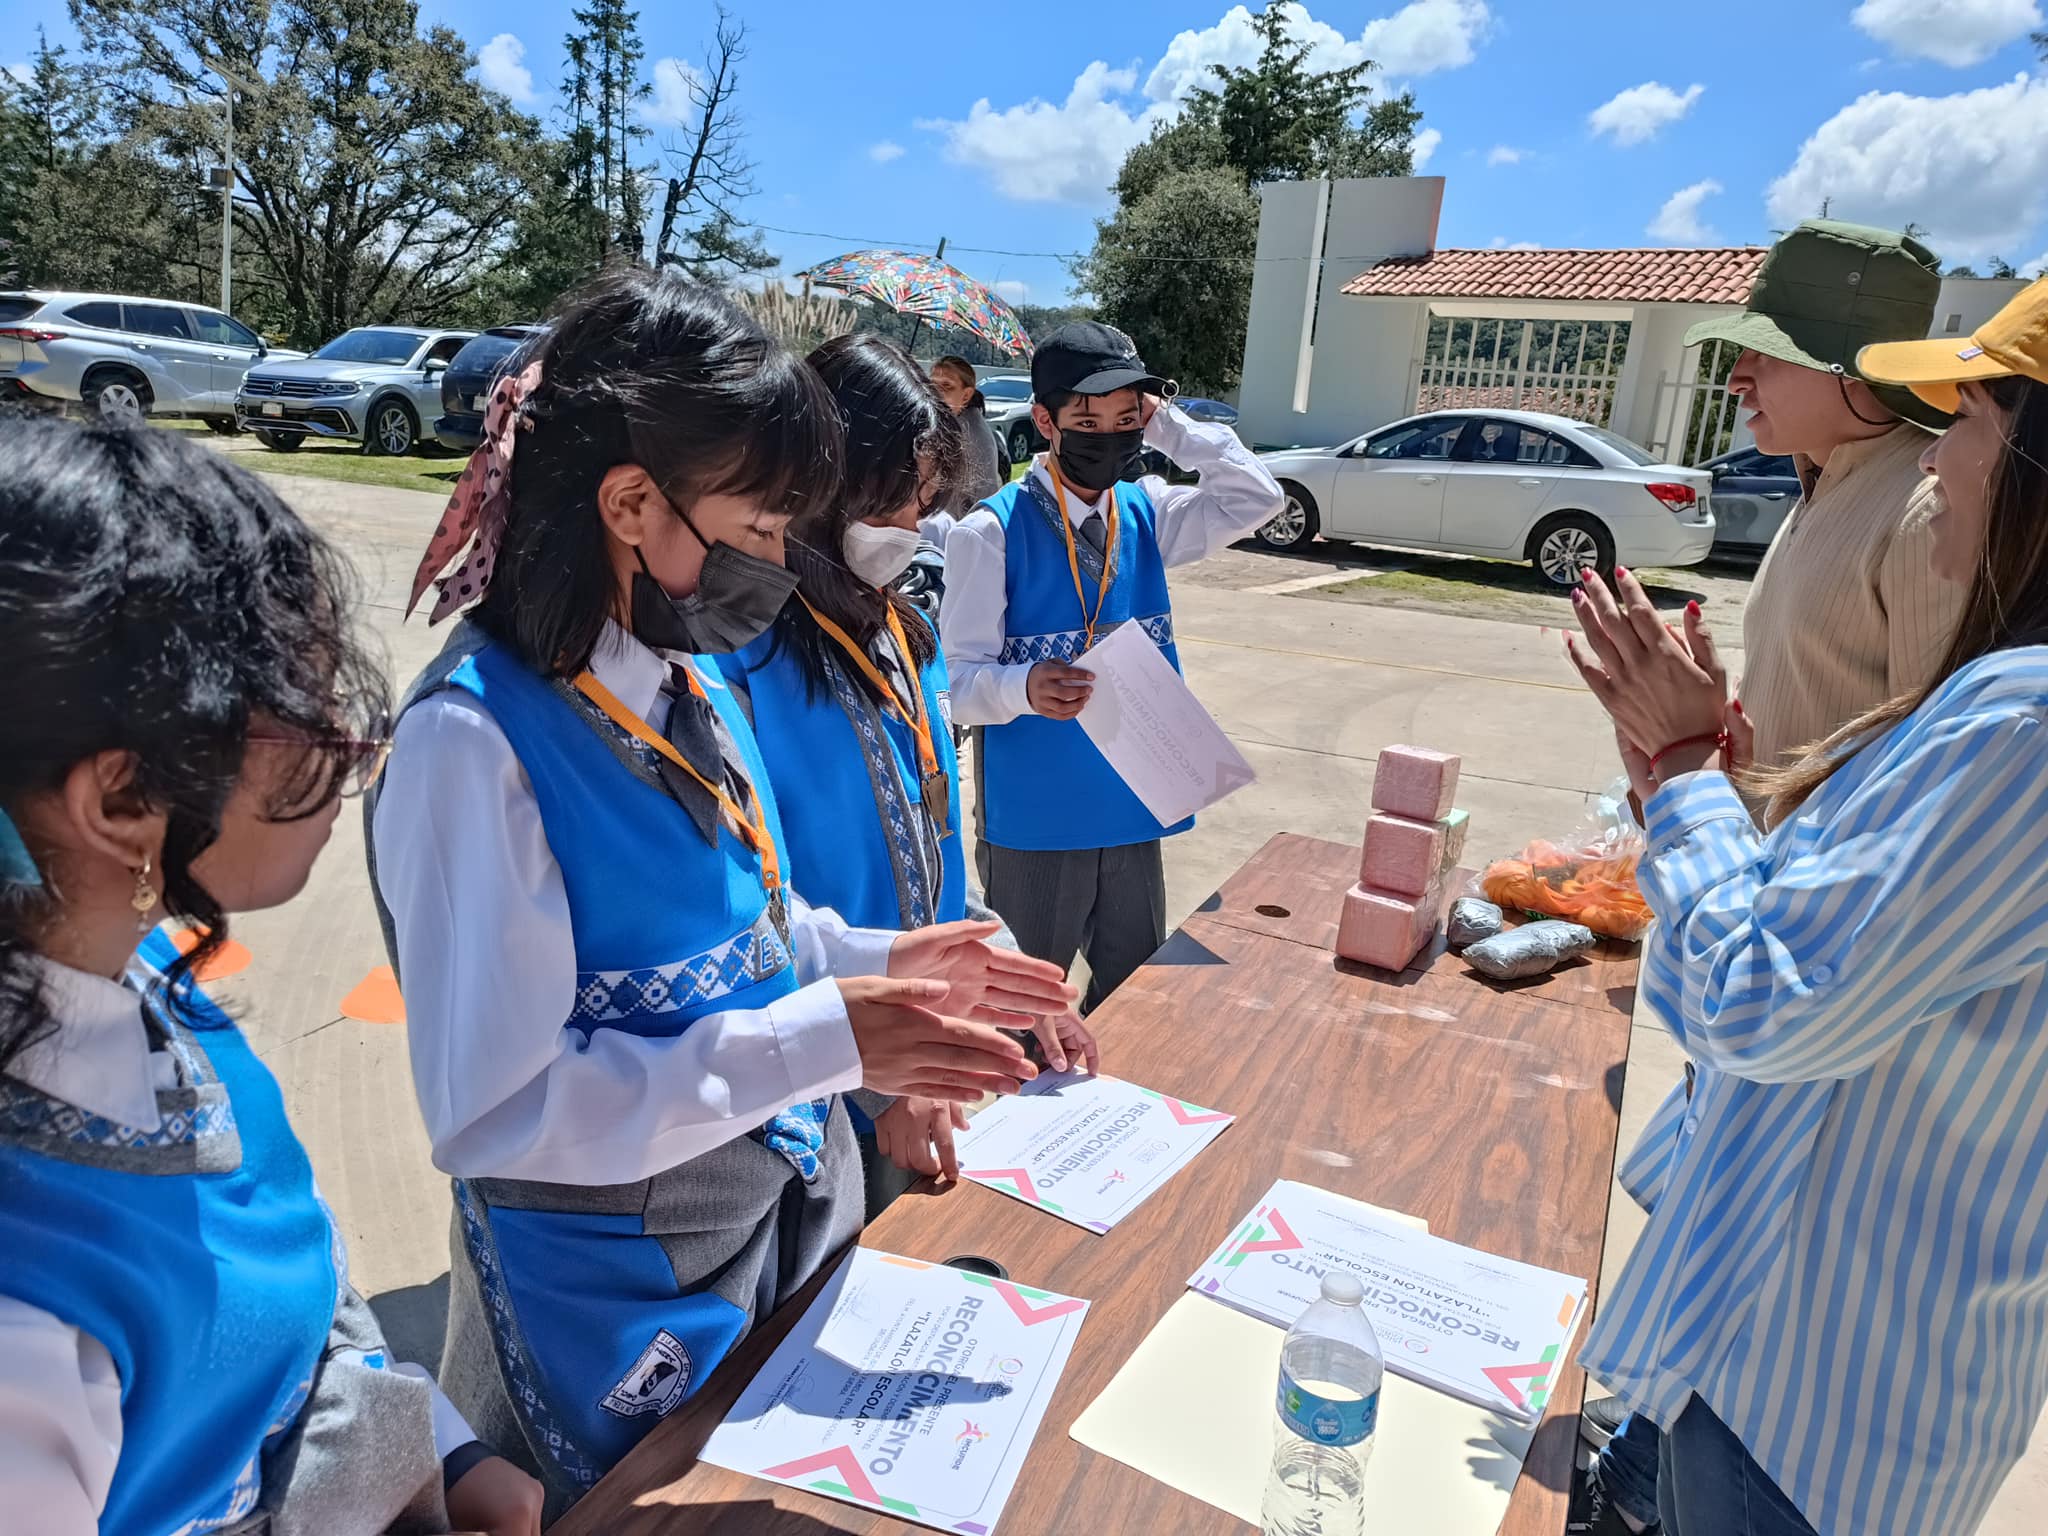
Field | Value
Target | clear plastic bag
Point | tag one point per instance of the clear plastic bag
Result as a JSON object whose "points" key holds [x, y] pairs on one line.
{"points": [[1589, 877]]}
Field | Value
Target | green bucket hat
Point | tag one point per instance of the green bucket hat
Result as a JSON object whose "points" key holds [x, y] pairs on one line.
{"points": [[1826, 291]]}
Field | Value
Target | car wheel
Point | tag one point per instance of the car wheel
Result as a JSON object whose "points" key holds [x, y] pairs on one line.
{"points": [[393, 431], [227, 426], [1298, 523], [1563, 546], [280, 442], [1020, 443], [119, 396]]}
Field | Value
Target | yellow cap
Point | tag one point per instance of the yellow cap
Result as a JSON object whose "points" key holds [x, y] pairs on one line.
{"points": [[2013, 341]]}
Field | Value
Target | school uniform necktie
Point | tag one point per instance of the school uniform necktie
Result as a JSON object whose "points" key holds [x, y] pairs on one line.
{"points": [[1094, 533], [693, 731]]}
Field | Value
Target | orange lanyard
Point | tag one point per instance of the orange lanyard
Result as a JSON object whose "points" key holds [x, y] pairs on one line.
{"points": [[936, 787], [1059, 493], [751, 828]]}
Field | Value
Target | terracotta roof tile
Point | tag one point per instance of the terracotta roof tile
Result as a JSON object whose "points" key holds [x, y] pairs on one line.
{"points": [[1714, 275]]}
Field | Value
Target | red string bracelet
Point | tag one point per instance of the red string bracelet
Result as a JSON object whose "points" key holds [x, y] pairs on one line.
{"points": [[1718, 739]]}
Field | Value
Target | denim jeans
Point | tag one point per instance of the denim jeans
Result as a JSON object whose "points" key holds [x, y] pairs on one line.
{"points": [[1627, 1468], [1709, 1485]]}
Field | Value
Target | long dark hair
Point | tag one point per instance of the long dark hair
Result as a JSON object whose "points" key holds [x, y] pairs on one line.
{"points": [[154, 598], [646, 368], [898, 433], [2007, 605]]}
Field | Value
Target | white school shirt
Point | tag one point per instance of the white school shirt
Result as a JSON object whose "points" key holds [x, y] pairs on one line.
{"points": [[1236, 494], [507, 1088], [60, 1393]]}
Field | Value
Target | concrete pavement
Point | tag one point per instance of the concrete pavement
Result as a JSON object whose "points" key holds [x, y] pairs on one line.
{"points": [[1311, 691]]}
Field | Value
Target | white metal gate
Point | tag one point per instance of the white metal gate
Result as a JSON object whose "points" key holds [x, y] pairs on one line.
{"points": [[1695, 416], [1567, 367]]}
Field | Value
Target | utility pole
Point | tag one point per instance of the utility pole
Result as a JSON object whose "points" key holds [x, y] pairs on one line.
{"points": [[226, 179]]}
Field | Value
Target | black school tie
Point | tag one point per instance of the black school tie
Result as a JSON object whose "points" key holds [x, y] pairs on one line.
{"points": [[693, 732], [1093, 531]]}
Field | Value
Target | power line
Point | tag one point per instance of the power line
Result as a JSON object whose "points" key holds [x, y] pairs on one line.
{"points": [[982, 250]]}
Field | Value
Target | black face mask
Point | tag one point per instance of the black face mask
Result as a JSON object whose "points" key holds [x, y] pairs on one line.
{"points": [[738, 596], [1095, 461]]}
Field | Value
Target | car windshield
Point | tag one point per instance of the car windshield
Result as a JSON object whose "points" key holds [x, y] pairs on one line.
{"points": [[1006, 389], [389, 347], [1621, 445]]}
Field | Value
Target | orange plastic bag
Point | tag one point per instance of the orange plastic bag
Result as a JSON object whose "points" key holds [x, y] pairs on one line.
{"points": [[1591, 880]]}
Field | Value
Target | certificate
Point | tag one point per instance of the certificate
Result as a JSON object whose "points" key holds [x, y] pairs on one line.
{"points": [[1089, 1150], [1142, 716], [1489, 1330], [907, 1388]]}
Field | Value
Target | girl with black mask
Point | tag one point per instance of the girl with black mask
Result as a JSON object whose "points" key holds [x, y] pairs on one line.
{"points": [[629, 1034]]}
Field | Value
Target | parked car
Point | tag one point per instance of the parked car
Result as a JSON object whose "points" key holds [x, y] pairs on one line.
{"points": [[466, 386], [1195, 408], [1515, 485], [1753, 491], [125, 358], [374, 385], [1009, 413]]}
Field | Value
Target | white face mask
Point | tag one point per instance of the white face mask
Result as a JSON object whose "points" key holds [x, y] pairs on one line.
{"points": [[879, 555]]}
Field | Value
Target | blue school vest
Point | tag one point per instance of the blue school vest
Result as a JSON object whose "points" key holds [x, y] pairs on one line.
{"points": [[1047, 786], [667, 928], [199, 1254], [855, 815]]}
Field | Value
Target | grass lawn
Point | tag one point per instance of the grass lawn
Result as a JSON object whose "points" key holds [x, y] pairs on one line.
{"points": [[432, 472]]}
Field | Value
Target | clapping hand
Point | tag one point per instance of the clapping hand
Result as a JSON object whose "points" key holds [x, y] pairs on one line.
{"points": [[916, 1135], [991, 985], [1666, 691]]}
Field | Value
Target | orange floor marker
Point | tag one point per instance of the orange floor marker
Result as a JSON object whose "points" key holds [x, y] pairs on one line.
{"points": [[375, 999], [230, 960]]}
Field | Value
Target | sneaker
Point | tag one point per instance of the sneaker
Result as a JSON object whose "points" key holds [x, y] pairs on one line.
{"points": [[1594, 1514], [1600, 1421]]}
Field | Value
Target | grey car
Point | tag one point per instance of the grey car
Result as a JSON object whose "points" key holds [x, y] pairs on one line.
{"points": [[1753, 491], [377, 385], [125, 358]]}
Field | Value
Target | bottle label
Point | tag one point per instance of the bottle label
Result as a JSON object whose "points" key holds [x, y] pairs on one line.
{"points": [[1327, 1421]]}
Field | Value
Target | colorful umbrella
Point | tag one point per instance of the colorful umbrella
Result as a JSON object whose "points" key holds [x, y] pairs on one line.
{"points": [[924, 286]]}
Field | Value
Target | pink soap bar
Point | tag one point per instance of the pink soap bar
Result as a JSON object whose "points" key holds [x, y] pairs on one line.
{"points": [[1401, 855], [1382, 929], [1415, 782]]}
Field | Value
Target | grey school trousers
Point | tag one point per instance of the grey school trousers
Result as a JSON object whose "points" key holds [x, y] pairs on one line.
{"points": [[1108, 904]]}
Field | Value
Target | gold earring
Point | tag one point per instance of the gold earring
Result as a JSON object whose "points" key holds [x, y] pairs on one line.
{"points": [[144, 899]]}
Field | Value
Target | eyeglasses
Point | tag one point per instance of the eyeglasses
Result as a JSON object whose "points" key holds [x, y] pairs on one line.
{"points": [[358, 760]]}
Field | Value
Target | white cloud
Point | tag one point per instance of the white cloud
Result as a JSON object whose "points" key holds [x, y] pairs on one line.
{"points": [[2038, 267], [1011, 291], [885, 151], [671, 103], [1971, 168], [1505, 154], [1041, 153], [1957, 33], [1424, 146], [1678, 221], [499, 68], [1638, 113], [1418, 39], [1503, 243], [21, 74]]}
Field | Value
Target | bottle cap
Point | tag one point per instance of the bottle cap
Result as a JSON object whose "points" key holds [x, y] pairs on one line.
{"points": [[1342, 1288]]}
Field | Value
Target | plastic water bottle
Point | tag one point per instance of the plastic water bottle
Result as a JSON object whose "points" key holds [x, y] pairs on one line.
{"points": [[1329, 1404]]}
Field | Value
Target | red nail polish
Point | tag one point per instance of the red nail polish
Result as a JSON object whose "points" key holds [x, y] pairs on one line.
{"points": [[1739, 710], [1693, 608], [1621, 570]]}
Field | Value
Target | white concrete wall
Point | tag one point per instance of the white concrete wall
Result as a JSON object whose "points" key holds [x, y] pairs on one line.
{"points": [[1967, 302], [1356, 374]]}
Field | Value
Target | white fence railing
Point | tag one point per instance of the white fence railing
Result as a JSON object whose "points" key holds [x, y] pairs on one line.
{"points": [[1569, 368], [1695, 416]]}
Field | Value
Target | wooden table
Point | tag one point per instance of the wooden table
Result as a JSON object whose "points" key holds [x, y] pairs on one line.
{"points": [[1489, 1112]]}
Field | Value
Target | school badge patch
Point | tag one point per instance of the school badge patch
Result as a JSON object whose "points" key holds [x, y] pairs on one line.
{"points": [[655, 1384]]}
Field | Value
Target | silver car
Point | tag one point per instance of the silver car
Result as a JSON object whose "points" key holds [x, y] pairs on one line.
{"points": [[375, 385], [125, 358]]}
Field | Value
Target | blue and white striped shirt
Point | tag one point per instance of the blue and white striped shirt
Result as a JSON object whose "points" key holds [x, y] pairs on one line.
{"points": [[1847, 1255]]}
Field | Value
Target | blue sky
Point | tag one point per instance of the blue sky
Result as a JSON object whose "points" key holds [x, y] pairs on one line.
{"points": [[1556, 122]]}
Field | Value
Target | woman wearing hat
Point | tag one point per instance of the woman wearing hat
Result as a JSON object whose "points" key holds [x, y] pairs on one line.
{"points": [[1838, 1314]]}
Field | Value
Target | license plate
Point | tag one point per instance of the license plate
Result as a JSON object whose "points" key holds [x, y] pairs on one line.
{"points": [[476, 402], [272, 408]]}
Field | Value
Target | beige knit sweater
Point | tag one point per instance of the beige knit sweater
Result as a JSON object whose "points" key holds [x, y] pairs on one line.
{"points": [[1846, 611]]}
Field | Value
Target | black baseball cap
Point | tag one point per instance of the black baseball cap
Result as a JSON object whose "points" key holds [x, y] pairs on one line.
{"points": [[1089, 358]]}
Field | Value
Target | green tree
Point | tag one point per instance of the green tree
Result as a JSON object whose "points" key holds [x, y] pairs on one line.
{"points": [[375, 180], [1173, 265], [605, 60]]}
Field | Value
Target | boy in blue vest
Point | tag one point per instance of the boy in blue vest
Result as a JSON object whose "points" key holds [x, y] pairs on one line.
{"points": [[1068, 855]]}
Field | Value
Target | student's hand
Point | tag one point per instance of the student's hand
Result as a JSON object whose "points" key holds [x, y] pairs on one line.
{"points": [[995, 986], [1148, 407], [907, 1049], [1068, 1043], [1057, 691], [496, 1498], [917, 1136], [1658, 688], [1740, 755]]}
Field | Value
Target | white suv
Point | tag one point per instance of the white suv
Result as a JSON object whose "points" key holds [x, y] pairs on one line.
{"points": [[125, 358]]}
